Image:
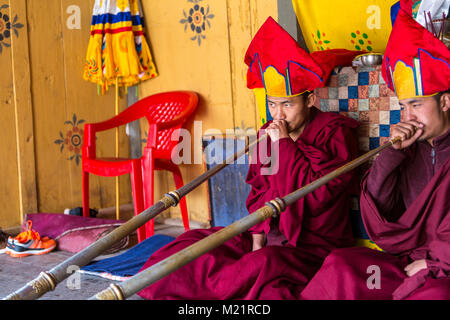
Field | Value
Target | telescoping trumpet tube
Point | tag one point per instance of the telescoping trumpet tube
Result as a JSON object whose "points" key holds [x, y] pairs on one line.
{"points": [[273, 208], [48, 280]]}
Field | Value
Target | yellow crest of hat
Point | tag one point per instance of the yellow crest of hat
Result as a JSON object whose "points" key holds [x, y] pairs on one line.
{"points": [[407, 80], [275, 83]]}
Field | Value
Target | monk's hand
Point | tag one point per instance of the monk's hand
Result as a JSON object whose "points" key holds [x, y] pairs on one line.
{"points": [[277, 130], [408, 131], [412, 268], [259, 240]]}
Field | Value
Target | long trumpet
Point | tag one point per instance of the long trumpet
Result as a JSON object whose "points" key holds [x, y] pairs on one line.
{"points": [[48, 280], [272, 208]]}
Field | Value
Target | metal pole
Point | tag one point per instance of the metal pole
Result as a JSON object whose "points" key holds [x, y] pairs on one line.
{"points": [[117, 151], [274, 207]]}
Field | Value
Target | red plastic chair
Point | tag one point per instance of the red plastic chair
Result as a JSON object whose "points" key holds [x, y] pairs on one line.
{"points": [[165, 113]]}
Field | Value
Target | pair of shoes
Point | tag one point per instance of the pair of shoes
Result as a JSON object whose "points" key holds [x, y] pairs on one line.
{"points": [[28, 243]]}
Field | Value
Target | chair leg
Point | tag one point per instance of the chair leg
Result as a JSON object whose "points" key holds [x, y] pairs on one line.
{"points": [[183, 207], [138, 198], [148, 180], [85, 191]]}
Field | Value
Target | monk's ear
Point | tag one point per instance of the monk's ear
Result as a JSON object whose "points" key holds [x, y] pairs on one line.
{"points": [[445, 101], [311, 100]]}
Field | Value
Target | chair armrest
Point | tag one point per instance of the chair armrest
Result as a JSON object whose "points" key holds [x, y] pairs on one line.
{"points": [[88, 134], [88, 148], [91, 129], [111, 123]]}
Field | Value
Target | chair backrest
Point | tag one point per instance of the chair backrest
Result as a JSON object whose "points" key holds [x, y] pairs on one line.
{"points": [[167, 110]]}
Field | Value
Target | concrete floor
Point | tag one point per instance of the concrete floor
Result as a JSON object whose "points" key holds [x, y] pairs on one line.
{"points": [[16, 272]]}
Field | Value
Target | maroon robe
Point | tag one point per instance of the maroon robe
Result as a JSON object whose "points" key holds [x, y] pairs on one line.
{"points": [[419, 179], [298, 241]]}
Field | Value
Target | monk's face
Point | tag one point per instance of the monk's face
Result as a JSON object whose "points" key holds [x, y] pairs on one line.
{"points": [[293, 110], [432, 113]]}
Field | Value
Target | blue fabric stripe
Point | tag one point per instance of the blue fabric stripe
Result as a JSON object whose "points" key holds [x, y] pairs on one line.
{"points": [[131, 261], [114, 18]]}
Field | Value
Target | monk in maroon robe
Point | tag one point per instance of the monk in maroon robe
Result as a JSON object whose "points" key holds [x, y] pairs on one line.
{"points": [[404, 198], [406, 212], [276, 258], [296, 243]]}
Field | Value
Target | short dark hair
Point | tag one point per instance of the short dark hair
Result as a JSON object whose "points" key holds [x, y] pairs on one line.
{"points": [[305, 95], [438, 96]]}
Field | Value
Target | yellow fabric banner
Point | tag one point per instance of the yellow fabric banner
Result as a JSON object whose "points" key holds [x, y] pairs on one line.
{"points": [[345, 24]]}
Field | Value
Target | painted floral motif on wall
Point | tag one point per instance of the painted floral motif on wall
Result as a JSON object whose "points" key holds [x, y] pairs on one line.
{"points": [[72, 139], [196, 19], [7, 26]]}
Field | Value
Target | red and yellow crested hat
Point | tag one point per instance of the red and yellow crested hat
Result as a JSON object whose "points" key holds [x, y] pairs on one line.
{"points": [[416, 63], [277, 63]]}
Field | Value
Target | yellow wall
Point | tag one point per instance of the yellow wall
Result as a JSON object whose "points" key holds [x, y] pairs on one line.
{"points": [[214, 69], [59, 93], [42, 89], [9, 185]]}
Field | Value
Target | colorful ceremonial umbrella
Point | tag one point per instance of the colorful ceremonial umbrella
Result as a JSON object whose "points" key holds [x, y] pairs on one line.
{"points": [[118, 53], [118, 50]]}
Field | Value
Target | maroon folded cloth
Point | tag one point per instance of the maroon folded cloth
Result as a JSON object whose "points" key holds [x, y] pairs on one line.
{"points": [[73, 233], [55, 225]]}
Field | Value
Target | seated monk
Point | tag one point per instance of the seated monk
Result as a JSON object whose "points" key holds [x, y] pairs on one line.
{"points": [[276, 258], [404, 201]]}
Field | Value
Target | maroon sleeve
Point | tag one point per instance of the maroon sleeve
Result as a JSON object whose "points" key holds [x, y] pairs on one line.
{"points": [[308, 163], [382, 181], [440, 252], [425, 225], [261, 192], [299, 165], [262, 186]]}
